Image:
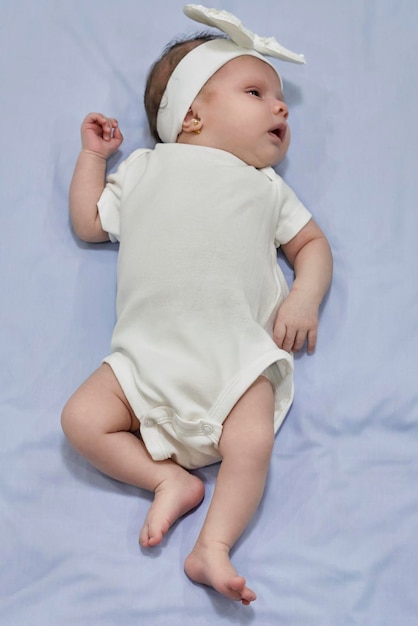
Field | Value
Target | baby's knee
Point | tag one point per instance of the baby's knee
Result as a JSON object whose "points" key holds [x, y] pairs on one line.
{"points": [[72, 422]]}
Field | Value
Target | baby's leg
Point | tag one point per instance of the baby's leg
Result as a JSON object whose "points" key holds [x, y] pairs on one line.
{"points": [[246, 445], [99, 423]]}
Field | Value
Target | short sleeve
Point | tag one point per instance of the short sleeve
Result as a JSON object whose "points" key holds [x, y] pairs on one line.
{"points": [[109, 204], [293, 214]]}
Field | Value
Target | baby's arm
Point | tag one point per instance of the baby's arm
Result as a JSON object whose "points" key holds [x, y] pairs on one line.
{"points": [[297, 318], [100, 138]]}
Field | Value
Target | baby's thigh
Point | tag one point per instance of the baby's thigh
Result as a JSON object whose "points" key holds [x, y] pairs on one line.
{"points": [[99, 406]]}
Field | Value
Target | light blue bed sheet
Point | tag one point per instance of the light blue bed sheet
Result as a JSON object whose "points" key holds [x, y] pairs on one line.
{"points": [[335, 541]]}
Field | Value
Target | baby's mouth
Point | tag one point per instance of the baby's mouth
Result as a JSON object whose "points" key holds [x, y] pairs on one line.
{"points": [[279, 131]]}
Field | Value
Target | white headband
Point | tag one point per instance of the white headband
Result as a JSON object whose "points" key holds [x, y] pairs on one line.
{"points": [[195, 69]]}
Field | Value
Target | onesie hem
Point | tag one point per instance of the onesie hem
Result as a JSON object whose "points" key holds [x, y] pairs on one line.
{"points": [[159, 421], [243, 381]]}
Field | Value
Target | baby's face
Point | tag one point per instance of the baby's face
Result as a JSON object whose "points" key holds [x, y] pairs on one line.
{"points": [[242, 111]]}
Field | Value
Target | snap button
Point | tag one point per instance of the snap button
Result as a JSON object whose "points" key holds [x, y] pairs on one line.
{"points": [[149, 422], [207, 429]]}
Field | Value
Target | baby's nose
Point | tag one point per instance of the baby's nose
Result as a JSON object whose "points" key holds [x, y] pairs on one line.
{"points": [[281, 107]]}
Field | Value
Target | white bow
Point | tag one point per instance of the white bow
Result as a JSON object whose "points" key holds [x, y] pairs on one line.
{"points": [[232, 26]]}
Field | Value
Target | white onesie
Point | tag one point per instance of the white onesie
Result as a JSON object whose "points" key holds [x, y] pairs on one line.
{"points": [[198, 291]]}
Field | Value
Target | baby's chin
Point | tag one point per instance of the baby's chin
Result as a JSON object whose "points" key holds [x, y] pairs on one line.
{"points": [[261, 165], [260, 162]]}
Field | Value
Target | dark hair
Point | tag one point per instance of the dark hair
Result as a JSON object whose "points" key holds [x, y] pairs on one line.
{"points": [[161, 71]]}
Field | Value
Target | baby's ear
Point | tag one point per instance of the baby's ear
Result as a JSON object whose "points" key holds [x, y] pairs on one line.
{"points": [[192, 123]]}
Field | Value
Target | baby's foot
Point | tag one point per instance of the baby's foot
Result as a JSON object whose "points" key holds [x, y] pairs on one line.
{"points": [[209, 564], [174, 497]]}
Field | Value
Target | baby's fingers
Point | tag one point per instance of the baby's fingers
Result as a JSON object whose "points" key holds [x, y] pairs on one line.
{"points": [[312, 337], [279, 334], [109, 127], [292, 339], [285, 337], [94, 120], [299, 341], [101, 125], [116, 133]]}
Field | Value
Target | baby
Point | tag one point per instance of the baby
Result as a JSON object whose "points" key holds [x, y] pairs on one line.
{"points": [[200, 369]]}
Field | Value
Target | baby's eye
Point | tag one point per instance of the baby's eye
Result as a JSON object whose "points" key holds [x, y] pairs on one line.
{"points": [[254, 92]]}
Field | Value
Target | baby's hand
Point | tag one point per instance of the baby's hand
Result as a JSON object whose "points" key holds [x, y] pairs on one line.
{"points": [[296, 322], [100, 134]]}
